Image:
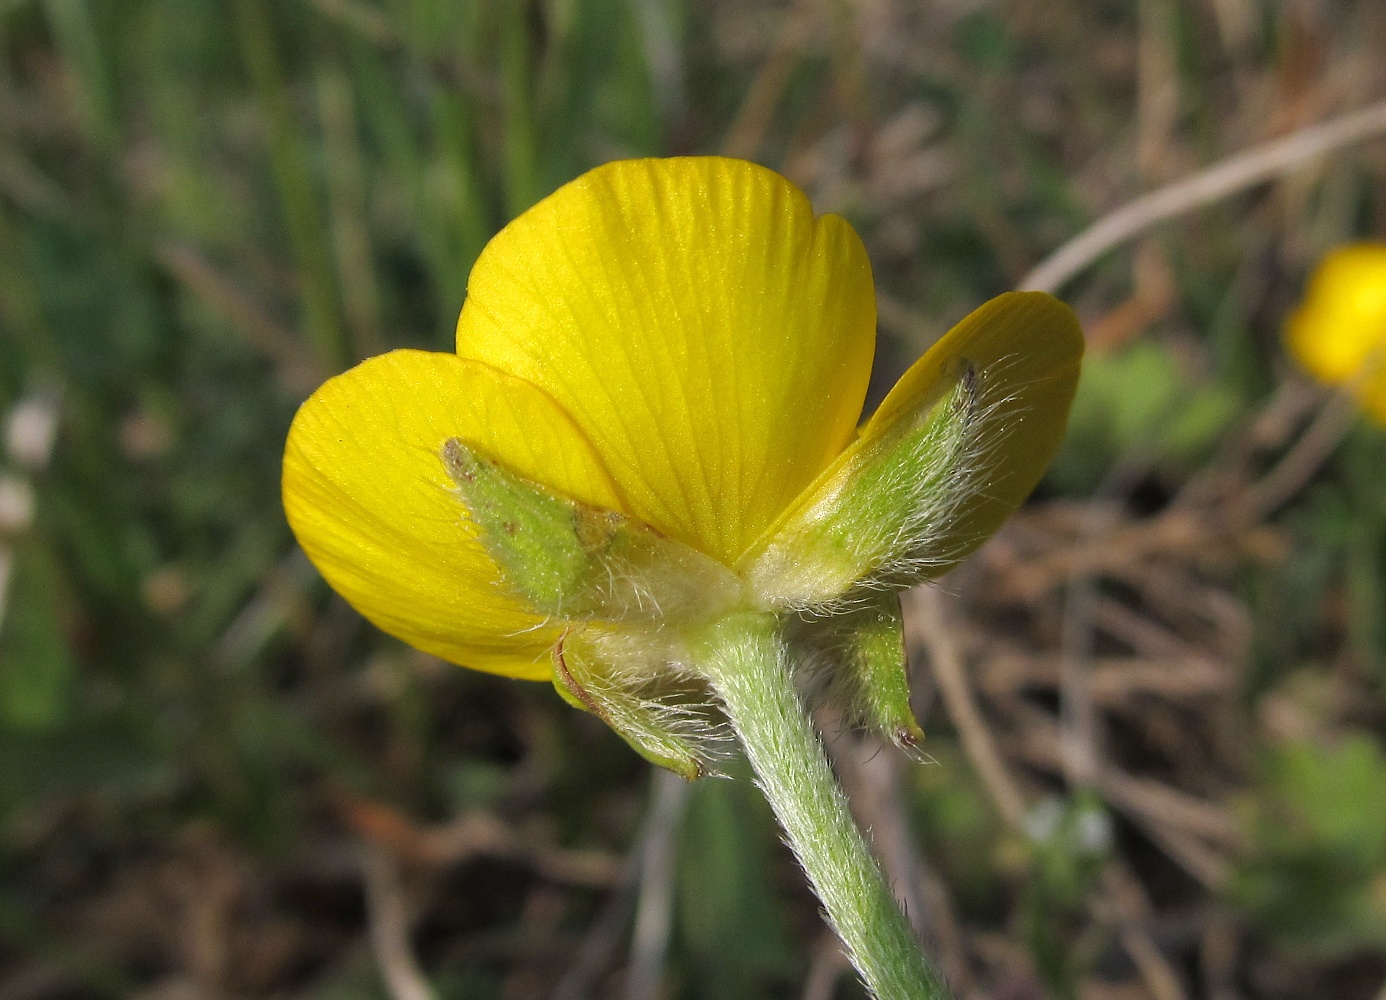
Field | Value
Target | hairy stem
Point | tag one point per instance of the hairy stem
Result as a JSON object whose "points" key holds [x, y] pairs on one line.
{"points": [[744, 658]]}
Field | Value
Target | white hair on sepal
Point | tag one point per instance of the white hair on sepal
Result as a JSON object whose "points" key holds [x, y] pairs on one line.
{"points": [[820, 670], [570, 561], [814, 662], [697, 724], [924, 542], [641, 683], [830, 675]]}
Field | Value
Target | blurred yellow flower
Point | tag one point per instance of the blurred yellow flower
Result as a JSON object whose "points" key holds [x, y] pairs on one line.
{"points": [[680, 341], [1339, 331]]}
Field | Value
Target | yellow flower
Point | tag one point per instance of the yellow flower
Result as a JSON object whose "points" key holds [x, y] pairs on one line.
{"points": [[1339, 331], [683, 342]]}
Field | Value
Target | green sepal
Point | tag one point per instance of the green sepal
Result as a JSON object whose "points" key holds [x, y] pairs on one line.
{"points": [[567, 688], [575, 561], [878, 515], [868, 676], [530, 532], [584, 679]]}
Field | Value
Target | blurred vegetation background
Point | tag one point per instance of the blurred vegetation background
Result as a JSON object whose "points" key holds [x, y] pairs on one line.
{"points": [[216, 781]]}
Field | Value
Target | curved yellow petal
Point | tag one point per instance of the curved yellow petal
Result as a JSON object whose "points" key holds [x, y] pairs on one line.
{"points": [[924, 486], [711, 337], [1339, 332], [369, 499], [1027, 351]]}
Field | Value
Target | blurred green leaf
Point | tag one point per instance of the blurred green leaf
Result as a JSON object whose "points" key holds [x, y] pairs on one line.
{"points": [[92, 755], [731, 925], [476, 785], [37, 668], [1069, 840], [984, 41], [1315, 873], [1139, 401], [78, 41], [960, 828]]}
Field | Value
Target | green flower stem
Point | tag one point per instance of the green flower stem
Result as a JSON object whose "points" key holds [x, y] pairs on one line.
{"points": [[745, 660]]}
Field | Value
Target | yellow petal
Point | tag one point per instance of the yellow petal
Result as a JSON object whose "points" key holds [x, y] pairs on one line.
{"points": [[371, 503], [1022, 351], [1339, 332], [708, 334], [1027, 349]]}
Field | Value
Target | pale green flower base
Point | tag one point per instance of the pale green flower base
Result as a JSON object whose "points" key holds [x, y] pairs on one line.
{"points": [[745, 659]]}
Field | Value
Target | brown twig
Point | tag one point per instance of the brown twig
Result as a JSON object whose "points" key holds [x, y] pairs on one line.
{"points": [[1082, 762], [654, 913], [604, 934], [747, 129], [1226, 177], [1217, 957], [1079, 725], [388, 920], [986, 757], [1174, 820], [657, 831], [1116, 680], [475, 834], [1131, 909], [1292, 473], [945, 658], [299, 371]]}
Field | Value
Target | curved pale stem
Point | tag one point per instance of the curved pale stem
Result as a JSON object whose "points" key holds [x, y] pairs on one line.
{"points": [[745, 660]]}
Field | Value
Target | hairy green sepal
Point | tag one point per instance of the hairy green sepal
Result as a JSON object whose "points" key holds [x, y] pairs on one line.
{"points": [[863, 653], [572, 560], [881, 516], [582, 674]]}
